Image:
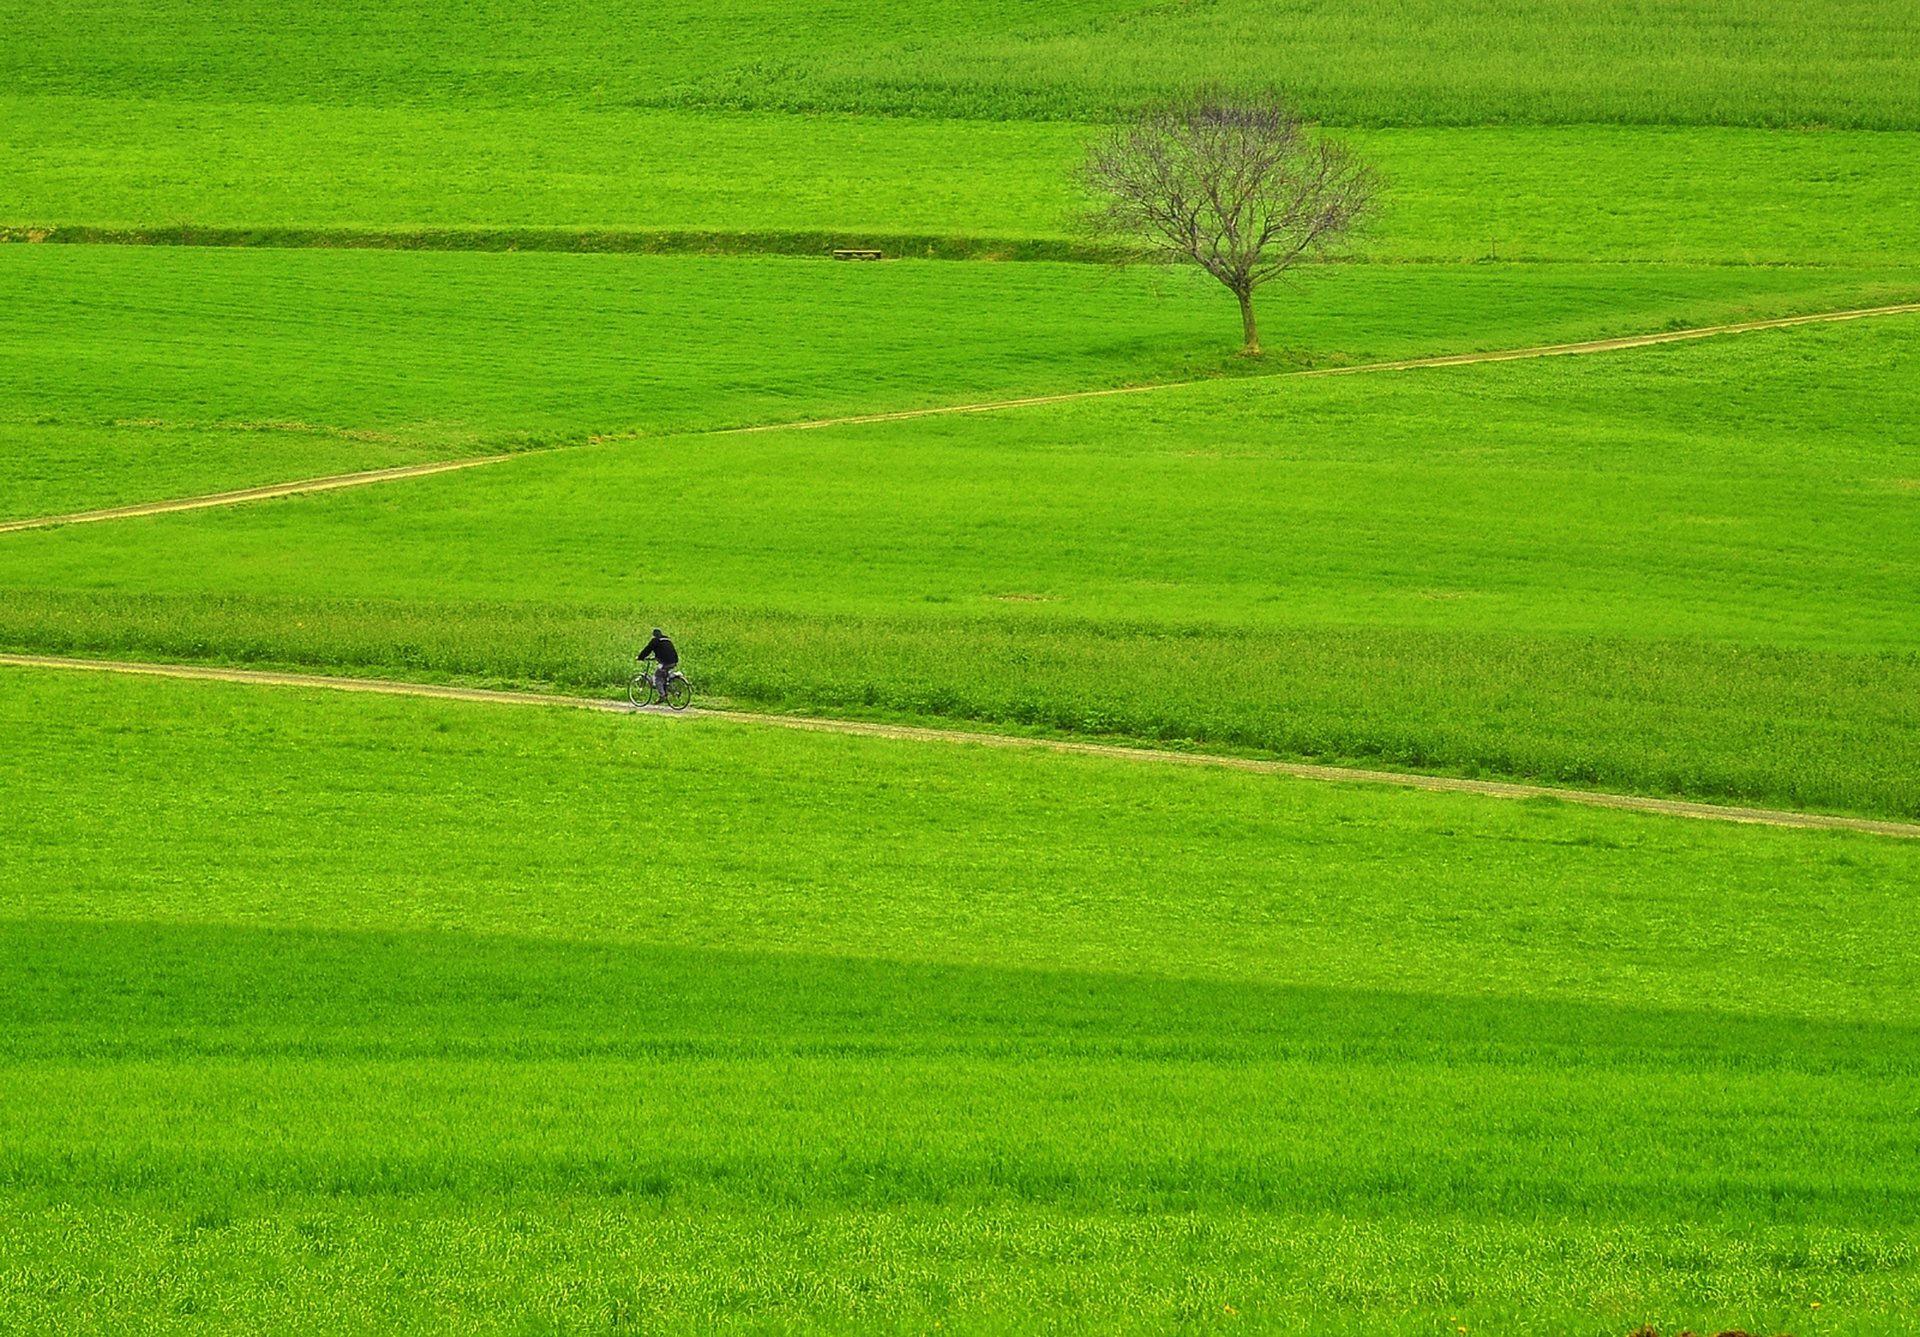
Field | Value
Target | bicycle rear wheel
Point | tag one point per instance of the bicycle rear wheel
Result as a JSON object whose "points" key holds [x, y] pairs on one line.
{"points": [[679, 692], [640, 689]]}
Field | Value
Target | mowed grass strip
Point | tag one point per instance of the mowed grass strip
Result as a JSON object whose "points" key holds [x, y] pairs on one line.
{"points": [[441, 1015], [1681, 570], [133, 374]]}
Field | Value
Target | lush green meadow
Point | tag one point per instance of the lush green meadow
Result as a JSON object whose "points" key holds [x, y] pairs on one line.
{"points": [[1684, 569], [423, 1015], [616, 178], [174, 119], [1723, 62], [329, 1013], [133, 373]]}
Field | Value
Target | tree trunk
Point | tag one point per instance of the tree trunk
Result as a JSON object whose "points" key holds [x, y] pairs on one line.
{"points": [[1246, 319]]}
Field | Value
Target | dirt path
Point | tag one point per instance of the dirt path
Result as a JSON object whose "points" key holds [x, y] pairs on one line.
{"points": [[1408, 364], [988, 406], [1627, 341], [1436, 783], [251, 493]]}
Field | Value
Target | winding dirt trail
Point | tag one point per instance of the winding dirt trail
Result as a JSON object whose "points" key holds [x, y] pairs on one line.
{"points": [[334, 481], [1435, 783]]}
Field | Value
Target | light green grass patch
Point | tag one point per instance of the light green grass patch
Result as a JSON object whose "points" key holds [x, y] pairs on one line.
{"points": [[1562, 193], [425, 1015], [450, 354]]}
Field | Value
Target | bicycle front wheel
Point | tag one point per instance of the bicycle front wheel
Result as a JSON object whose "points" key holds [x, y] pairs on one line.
{"points": [[640, 689], [679, 692]]}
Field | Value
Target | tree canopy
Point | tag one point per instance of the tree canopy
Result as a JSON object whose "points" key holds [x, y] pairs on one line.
{"points": [[1242, 187]]}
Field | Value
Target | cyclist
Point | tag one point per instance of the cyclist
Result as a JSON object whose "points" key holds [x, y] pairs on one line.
{"points": [[660, 648]]}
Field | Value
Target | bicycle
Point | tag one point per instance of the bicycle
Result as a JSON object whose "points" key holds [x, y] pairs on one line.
{"points": [[643, 690]]}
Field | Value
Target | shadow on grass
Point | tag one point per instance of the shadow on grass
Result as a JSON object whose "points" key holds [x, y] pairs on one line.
{"points": [[195, 1059], [124, 991]]}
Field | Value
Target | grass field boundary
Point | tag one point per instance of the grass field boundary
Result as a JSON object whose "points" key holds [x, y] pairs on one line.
{"points": [[923, 734], [612, 241], [333, 481]]}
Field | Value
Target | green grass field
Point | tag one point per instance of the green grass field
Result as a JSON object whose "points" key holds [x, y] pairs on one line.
{"points": [[421, 1015], [134, 373], [1672, 194], [1750, 62], [1686, 569], [322, 1012]]}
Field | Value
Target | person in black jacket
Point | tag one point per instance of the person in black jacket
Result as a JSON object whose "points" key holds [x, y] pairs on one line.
{"points": [[660, 648]]}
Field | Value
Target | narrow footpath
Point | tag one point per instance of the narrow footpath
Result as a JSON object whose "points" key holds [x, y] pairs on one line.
{"points": [[1340, 774], [1406, 364], [335, 481], [245, 494]]}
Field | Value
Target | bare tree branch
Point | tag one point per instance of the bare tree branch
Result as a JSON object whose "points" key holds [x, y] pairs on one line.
{"points": [[1238, 187]]}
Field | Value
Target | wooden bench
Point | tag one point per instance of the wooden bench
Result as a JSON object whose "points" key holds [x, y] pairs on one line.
{"points": [[856, 255]]}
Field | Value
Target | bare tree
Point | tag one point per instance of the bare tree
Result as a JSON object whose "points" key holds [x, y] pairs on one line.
{"points": [[1240, 187]]}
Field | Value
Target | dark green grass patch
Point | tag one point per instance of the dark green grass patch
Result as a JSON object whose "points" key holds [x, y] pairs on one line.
{"points": [[424, 1015], [1754, 62], [1739, 62], [1682, 569], [109, 355]]}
